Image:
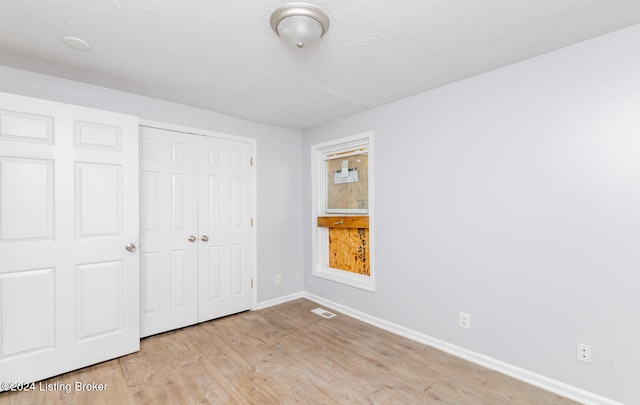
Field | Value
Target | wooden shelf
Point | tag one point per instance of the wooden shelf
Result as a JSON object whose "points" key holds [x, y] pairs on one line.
{"points": [[350, 221]]}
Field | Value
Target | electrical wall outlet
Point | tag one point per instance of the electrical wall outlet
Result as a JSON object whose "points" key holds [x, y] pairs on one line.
{"points": [[278, 279], [465, 320], [298, 275], [583, 353]]}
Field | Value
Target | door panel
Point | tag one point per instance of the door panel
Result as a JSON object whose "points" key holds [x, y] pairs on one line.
{"points": [[225, 206], [25, 127], [101, 308], [168, 192], [69, 292], [98, 200], [96, 136], [27, 295], [26, 199], [148, 284]]}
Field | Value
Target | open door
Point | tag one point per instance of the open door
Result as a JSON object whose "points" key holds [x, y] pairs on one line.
{"points": [[68, 234]]}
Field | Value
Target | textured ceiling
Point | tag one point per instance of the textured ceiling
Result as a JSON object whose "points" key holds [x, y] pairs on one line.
{"points": [[223, 55]]}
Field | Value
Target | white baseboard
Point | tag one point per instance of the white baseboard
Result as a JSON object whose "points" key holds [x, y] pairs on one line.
{"points": [[529, 377], [280, 300]]}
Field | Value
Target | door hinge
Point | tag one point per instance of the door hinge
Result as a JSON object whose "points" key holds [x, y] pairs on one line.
{"points": [[252, 222], [251, 283], [251, 160]]}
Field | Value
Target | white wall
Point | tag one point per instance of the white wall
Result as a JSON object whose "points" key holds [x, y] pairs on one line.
{"points": [[514, 196], [278, 162]]}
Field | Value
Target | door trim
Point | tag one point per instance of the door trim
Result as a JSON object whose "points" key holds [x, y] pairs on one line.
{"points": [[254, 186]]}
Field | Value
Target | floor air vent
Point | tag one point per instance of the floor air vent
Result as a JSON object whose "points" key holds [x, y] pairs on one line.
{"points": [[323, 313]]}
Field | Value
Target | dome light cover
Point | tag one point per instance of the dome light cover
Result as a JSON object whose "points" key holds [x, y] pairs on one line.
{"points": [[299, 24]]}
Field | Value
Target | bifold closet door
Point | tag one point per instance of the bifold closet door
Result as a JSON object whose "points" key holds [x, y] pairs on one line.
{"points": [[225, 224], [169, 230], [69, 293], [197, 240]]}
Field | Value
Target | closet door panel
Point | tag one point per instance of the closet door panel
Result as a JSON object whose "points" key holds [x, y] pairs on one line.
{"points": [[168, 194], [225, 222]]}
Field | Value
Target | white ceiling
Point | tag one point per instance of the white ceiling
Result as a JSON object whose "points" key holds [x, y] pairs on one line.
{"points": [[223, 55]]}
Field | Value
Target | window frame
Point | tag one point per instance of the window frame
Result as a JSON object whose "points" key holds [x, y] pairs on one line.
{"points": [[320, 235]]}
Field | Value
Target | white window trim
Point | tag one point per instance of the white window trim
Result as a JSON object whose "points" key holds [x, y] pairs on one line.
{"points": [[320, 235]]}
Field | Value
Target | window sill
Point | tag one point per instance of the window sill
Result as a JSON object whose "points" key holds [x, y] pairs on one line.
{"points": [[345, 277]]}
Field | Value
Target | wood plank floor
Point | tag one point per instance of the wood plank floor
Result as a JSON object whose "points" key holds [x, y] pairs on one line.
{"points": [[285, 355]]}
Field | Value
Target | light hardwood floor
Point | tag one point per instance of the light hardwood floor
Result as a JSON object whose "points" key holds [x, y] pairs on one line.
{"points": [[284, 355]]}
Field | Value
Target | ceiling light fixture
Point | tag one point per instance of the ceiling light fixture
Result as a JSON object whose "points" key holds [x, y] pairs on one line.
{"points": [[299, 24]]}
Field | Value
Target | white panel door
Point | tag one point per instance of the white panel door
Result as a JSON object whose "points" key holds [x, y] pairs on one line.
{"points": [[169, 230], [226, 245], [68, 206]]}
